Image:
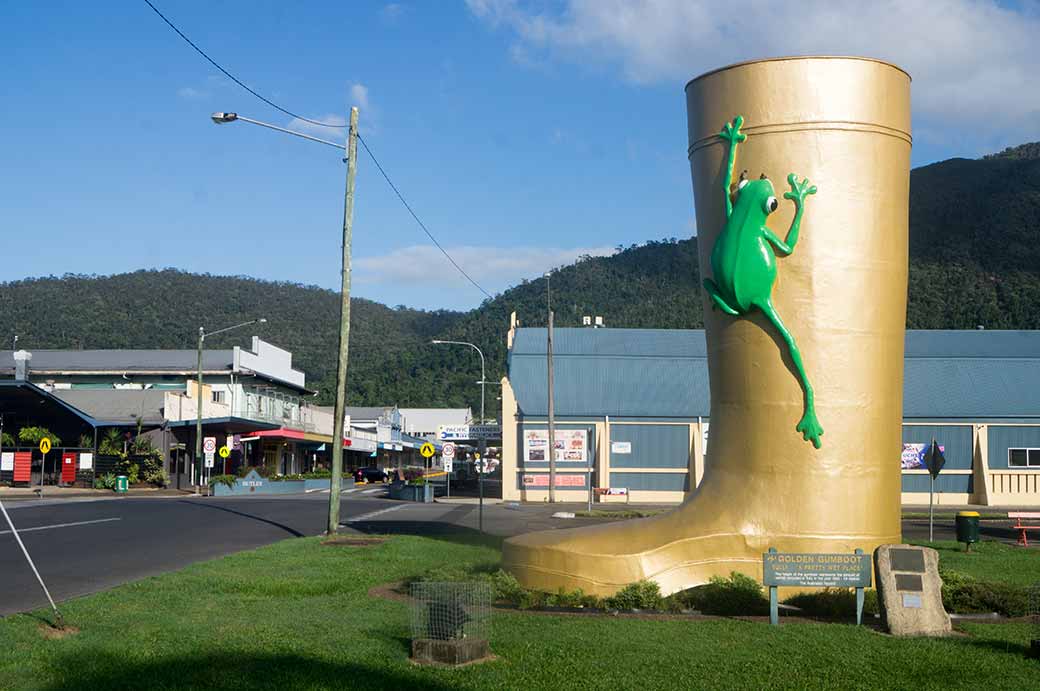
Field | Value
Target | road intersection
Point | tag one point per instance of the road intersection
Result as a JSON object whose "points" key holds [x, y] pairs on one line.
{"points": [[82, 547]]}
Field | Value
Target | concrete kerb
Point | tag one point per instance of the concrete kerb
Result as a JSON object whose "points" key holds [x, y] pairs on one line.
{"points": [[467, 500]]}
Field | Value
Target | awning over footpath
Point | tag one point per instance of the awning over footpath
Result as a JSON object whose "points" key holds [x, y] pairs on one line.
{"points": [[23, 403], [288, 434], [231, 424]]}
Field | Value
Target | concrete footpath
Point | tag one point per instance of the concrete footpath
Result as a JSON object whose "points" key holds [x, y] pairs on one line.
{"points": [[16, 494]]}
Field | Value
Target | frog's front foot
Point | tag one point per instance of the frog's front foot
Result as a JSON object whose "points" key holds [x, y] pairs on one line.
{"points": [[810, 428], [731, 131], [799, 190]]}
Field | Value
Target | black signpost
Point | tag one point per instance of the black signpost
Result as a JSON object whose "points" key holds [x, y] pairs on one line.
{"points": [[934, 461]]}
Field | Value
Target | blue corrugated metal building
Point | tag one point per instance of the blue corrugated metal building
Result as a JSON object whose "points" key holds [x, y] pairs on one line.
{"points": [[632, 406]]}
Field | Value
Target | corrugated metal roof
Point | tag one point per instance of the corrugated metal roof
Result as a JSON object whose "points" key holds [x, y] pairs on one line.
{"points": [[640, 342], [123, 405], [366, 412], [977, 343], [663, 373], [122, 360]]}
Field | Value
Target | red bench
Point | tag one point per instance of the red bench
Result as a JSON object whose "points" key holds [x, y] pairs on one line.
{"points": [[1022, 529]]}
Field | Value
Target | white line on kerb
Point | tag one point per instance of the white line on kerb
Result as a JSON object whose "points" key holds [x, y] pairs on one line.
{"points": [[62, 525], [371, 514]]}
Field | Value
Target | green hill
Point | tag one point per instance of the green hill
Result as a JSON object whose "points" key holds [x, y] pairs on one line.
{"points": [[975, 260]]}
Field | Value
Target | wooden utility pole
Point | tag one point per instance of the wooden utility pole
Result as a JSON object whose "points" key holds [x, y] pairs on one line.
{"points": [[344, 329]]}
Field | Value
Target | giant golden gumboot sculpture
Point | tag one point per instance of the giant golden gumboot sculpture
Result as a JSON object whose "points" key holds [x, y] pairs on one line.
{"points": [[844, 124]]}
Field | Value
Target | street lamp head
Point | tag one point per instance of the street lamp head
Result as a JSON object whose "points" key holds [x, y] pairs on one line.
{"points": [[261, 320], [221, 118], [436, 342]]}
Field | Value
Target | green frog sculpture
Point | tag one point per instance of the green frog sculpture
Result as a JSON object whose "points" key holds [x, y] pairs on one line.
{"points": [[743, 260]]}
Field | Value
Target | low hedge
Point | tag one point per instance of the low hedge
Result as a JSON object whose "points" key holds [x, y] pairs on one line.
{"points": [[740, 595], [967, 595]]}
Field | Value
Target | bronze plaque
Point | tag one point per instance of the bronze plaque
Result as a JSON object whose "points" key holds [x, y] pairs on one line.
{"points": [[906, 581], [911, 560]]}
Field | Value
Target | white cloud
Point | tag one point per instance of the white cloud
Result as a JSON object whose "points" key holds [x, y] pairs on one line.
{"points": [[357, 96], [494, 268], [190, 94], [391, 12], [974, 62], [330, 133]]}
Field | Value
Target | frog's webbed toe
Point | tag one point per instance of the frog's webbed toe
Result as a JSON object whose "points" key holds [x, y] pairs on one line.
{"points": [[716, 296]]}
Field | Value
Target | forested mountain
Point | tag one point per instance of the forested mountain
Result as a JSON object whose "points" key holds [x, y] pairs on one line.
{"points": [[975, 260]]}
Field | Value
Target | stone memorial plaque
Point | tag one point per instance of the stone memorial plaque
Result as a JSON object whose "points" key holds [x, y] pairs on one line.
{"points": [[910, 603], [906, 581], [911, 560]]}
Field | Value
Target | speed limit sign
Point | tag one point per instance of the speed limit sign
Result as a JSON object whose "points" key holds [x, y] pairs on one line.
{"points": [[448, 450]]}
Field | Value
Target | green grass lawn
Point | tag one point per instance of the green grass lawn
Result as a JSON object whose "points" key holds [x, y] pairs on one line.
{"points": [[296, 615], [991, 561]]}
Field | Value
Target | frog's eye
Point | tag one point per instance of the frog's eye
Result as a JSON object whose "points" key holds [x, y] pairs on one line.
{"points": [[770, 205]]}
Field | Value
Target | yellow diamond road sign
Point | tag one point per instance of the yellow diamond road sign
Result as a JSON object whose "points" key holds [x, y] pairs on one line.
{"points": [[427, 450], [45, 445]]}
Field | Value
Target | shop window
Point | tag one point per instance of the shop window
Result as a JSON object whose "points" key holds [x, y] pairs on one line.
{"points": [[1024, 458]]}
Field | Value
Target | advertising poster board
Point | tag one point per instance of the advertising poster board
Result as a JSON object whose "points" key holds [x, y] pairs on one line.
{"points": [[571, 445], [913, 456], [531, 481]]}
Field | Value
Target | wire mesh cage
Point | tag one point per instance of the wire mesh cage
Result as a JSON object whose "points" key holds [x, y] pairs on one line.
{"points": [[444, 611], [1034, 617]]}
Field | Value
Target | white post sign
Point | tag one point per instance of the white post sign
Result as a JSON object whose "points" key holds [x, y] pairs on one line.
{"points": [[7, 460], [86, 461]]}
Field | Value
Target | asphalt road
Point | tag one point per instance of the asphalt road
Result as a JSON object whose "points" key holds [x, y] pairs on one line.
{"points": [[82, 547]]}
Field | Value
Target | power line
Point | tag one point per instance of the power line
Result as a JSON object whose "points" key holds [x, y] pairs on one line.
{"points": [[325, 124], [232, 77], [417, 220]]}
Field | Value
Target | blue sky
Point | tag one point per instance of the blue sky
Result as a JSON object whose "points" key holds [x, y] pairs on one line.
{"points": [[524, 134]]}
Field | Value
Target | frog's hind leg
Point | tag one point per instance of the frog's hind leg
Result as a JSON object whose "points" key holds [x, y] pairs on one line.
{"points": [[716, 296], [809, 425]]}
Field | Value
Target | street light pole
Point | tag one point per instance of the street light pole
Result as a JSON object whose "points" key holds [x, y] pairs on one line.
{"points": [[344, 325], [550, 411], [198, 416], [483, 377], [344, 329], [198, 394]]}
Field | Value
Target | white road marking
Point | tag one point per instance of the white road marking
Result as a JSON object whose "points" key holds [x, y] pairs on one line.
{"points": [[378, 490], [372, 514], [60, 525]]}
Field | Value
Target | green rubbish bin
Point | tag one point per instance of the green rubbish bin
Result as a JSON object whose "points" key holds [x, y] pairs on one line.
{"points": [[967, 527], [122, 484]]}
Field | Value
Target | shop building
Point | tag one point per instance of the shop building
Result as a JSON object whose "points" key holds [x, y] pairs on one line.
{"points": [[253, 400]]}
